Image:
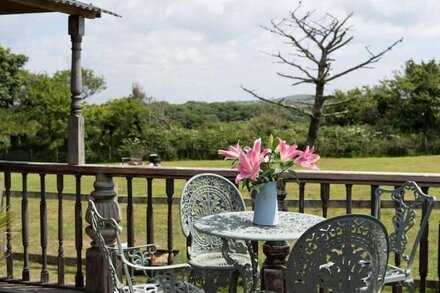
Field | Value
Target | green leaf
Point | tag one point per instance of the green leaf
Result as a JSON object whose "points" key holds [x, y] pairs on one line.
{"points": [[292, 174], [270, 143]]}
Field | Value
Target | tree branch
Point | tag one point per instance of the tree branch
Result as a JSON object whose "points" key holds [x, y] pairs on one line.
{"points": [[280, 103], [335, 113], [372, 59], [340, 102], [301, 79], [279, 31], [299, 67]]}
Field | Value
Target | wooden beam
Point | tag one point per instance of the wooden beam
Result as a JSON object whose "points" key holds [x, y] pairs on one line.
{"points": [[9, 7], [48, 6]]}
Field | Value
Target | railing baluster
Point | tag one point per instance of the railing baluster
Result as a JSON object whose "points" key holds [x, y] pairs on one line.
{"points": [[8, 253], [424, 247], [302, 188], [60, 258], [325, 197], [372, 200], [44, 277], [150, 216], [349, 202], [79, 278], [170, 192], [397, 287], [25, 228], [130, 218], [438, 258]]}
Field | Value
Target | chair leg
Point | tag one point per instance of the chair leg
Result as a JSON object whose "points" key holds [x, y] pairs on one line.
{"points": [[233, 281], [410, 285]]}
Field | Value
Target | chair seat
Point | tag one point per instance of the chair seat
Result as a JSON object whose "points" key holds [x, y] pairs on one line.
{"points": [[142, 288], [396, 274], [179, 286], [216, 261]]}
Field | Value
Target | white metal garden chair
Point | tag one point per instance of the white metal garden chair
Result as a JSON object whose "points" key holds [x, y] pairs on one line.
{"points": [[166, 278], [408, 199], [203, 195], [345, 254]]}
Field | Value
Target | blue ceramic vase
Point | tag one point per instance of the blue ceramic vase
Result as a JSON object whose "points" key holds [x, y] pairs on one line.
{"points": [[266, 205]]}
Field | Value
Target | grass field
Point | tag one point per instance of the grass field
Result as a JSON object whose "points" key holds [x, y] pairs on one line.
{"points": [[426, 164]]}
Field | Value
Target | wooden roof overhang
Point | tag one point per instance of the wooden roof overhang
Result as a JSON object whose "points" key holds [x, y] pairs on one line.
{"points": [[71, 7]]}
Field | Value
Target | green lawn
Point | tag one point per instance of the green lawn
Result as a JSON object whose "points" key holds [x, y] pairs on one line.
{"points": [[426, 164], [421, 164]]}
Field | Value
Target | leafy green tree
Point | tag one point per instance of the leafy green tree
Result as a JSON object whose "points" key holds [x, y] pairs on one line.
{"points": [[418, 87], [138, 93], [363, 108], [11, 76], [44, 101], [109, 126], [92, 83], [14, 125], [47, 104], [413, 97]]}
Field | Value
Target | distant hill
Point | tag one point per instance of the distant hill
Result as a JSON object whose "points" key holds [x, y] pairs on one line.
{"points": [[296, 98], [303, 98]]}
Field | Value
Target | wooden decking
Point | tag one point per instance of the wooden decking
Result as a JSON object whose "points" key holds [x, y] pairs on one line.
{"points": [[20, 288]]}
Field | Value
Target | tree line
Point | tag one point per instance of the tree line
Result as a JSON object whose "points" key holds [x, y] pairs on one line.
{"points": [[399, 116]]}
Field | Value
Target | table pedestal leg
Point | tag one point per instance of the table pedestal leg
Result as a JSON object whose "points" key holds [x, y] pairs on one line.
{"points": [[272, 273]]}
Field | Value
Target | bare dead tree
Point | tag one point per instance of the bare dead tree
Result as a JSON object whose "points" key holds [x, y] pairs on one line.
{"points": [[314, 40]]}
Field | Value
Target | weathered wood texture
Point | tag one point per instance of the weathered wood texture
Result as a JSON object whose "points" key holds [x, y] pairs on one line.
{"points": [[76, 120], [331, 177]]}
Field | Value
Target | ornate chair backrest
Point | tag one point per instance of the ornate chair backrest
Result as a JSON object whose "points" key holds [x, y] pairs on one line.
{"points": [[109, 227], [343, 254], [405, 217], [203, 195]]}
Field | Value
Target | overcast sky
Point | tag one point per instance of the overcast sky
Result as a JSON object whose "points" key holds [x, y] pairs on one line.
{"points": [[203, 50]]}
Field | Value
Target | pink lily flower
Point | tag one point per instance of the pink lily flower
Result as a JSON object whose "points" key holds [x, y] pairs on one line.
{"points": [[287, 153], [249, 166], [256, 149], [308, 159], [233, 152]]}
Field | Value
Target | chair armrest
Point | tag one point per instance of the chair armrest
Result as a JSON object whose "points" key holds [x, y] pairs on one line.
{"points": [[138, 258], [167, 276]]}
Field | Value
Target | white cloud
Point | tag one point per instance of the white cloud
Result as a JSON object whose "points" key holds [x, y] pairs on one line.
{"points": [[204, 50]]}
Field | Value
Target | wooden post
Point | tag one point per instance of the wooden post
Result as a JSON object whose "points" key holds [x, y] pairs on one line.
{"points": [[76, 120], [105, 198]]}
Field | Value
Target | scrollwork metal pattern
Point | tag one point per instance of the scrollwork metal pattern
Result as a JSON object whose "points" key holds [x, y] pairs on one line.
{"points": [[166, 279], [405, 216], [408, 198], [344, 254], [101, 227], [204, 195]]}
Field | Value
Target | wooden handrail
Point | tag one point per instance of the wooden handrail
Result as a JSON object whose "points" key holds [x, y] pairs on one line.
{"points": [[333, 177]]}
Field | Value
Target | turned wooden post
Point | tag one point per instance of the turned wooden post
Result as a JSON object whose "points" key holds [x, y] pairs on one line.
{"points": [[105, 198], [272, 273], [76, 120]]}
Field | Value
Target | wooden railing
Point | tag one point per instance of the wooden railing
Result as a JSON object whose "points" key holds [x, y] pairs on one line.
{"points": [[299, 198]]}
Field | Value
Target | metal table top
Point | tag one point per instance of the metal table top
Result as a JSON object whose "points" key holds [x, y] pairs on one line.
{"points": [[238, 225]]}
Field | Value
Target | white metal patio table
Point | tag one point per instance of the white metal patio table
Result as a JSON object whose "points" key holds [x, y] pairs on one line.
{"points": [[239, 226]]}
